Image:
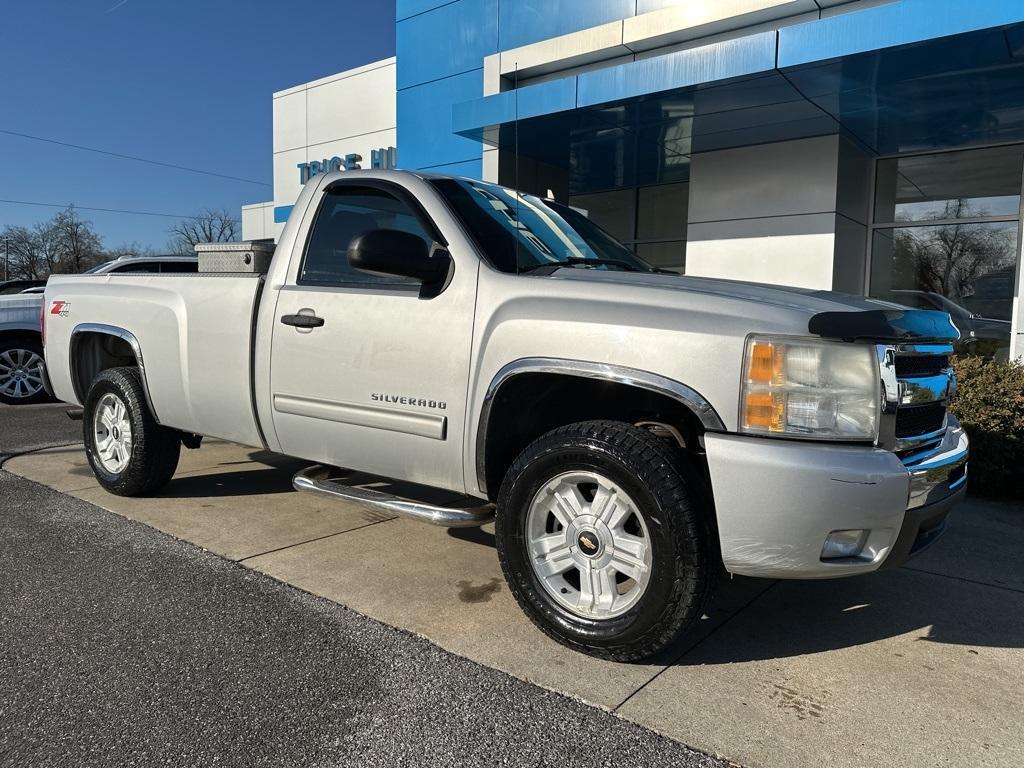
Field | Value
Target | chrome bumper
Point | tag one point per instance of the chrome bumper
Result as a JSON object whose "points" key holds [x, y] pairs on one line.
{"points": [[942, 471], [777, 501]]}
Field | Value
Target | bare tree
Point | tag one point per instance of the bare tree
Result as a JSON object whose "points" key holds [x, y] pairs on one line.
{"points": [[79, 246], [208, 226], [947, 259], [133, 249], [23, 261], [48, 244]]}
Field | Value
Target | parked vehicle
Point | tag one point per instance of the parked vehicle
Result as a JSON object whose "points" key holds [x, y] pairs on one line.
{"points": [[10, 287], [21, 344], [631, 432], [975, 331]]}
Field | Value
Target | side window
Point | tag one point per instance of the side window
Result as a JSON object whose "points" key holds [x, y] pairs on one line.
{"points": [[346, 213], [178, 267], [144, 267]]}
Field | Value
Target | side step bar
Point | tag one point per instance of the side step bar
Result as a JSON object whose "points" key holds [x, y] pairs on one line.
{"points": [[317, 479]]}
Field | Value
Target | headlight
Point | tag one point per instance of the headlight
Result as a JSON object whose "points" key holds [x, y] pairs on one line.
{"points": [[809, 388]]}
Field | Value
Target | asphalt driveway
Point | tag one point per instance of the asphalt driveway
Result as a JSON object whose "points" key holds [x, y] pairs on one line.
{"points": [[124, 646]]}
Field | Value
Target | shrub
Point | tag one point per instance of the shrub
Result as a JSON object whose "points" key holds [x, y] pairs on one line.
{"points": [[989, 402]]}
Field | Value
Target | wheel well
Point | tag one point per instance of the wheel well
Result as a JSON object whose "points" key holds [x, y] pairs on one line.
{"points": [[21, 333], [93, 353], [531, 404]]}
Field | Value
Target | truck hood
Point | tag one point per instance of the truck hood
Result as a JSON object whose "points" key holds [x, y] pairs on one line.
{"points": [[806, 300], [829, 314]]}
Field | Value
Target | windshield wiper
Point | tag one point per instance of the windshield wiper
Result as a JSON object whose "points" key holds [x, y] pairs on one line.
{"points": [[577, 261]]}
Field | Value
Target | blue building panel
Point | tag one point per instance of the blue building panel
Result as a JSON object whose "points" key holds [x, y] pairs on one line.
{"points": [[472, 169], [885, 26], [646, 6], [528, 21], [446, 41], [406, 8], [707, 64], [425, 136], [522, 103]]}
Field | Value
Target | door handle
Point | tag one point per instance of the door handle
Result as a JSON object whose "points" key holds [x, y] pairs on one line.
{"points": [[302, 321]]}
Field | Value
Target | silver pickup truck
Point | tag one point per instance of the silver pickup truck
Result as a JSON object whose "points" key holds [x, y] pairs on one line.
{"points": [[631, 432]]}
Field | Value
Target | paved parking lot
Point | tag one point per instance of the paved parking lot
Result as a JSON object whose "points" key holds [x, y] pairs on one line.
{"points": [[920, 666], [121, 646]]}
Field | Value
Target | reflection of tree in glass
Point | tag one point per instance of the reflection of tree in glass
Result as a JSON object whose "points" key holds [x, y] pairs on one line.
{"points": [[947, 259]]}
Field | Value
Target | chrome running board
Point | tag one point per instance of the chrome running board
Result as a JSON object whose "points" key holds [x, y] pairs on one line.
{"points": [[317, 479]]}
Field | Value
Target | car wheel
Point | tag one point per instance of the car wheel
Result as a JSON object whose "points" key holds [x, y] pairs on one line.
{"points": [[130, 453], [21, 372], [604, 536]]}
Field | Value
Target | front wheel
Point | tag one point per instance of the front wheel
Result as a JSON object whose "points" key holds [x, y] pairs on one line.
{"points": [[130, 453], [605, 539]]}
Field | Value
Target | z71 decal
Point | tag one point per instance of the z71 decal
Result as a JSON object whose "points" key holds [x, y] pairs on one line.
{"points": [[61, 308]]}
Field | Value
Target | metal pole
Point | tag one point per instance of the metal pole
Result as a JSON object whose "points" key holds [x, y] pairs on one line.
{"points": [[7, 257]]}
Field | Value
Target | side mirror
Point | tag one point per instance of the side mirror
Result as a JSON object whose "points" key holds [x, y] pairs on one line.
{"points": [[402, 254]]}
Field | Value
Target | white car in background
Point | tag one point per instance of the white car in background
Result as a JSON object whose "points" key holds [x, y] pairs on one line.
{"points": [[21, 342]]}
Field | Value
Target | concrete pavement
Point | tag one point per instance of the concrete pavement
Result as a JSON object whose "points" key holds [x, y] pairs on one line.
{"points": [[920, 666]]}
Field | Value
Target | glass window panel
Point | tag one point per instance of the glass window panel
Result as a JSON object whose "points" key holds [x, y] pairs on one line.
{"points": [[951, 185], [612, 211], [967, 270], [178, 267], [346, 213], [141, 267], [662, 212], [664, 255]]}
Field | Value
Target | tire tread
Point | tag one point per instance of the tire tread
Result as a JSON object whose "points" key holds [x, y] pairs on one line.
{"points": [[679, 490]]}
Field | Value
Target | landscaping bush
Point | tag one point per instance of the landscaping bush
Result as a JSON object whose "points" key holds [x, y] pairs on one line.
{"points": [[989, 402]]}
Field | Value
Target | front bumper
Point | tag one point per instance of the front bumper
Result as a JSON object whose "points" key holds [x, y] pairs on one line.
{"points": [[778, 500]]}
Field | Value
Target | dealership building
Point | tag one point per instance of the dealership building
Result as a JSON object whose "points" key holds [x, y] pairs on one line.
{"points": [[867, 146]]}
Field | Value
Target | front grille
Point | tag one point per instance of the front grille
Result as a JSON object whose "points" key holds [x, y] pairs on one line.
{"points": [[919, 367], [916, 420]]}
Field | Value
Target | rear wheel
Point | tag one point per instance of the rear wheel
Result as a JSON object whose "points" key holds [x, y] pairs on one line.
{"points": [[605, 539], [130, 453], [21, 372]]}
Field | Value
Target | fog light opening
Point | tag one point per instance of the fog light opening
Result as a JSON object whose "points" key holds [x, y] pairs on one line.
{"points": [[842, 545]]}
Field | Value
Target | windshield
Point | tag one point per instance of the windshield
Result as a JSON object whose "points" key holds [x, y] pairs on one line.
{"points": [[523, 233]]}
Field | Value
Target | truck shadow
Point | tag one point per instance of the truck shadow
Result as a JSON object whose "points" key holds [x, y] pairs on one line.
{"points": [[799, 618], [967, 590], [251, 482]]}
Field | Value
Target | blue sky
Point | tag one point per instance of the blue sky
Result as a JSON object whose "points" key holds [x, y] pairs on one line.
{"points": [[186, 82]]}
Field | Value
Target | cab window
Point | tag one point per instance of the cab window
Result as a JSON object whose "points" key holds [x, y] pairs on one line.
{"points": [[346, 213]]}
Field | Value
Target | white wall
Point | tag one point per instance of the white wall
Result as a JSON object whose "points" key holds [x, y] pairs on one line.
{"points": [[789, 213], [350, 112], [258, 221]]}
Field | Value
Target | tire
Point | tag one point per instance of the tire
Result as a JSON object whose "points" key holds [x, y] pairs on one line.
{"points": [[21, 377], [145, 462], [631, 614]]}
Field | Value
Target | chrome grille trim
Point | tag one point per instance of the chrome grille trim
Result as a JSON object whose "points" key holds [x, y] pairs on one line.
{"points": [[898, 391]]}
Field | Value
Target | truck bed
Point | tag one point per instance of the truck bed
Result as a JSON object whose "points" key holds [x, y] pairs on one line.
{"points": [[196, 330]]}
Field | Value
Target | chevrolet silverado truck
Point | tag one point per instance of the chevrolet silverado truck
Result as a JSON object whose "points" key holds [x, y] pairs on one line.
{"points": [[631, 432]]}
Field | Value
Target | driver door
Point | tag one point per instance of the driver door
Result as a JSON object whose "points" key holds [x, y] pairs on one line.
{"points": [[377, 380]]}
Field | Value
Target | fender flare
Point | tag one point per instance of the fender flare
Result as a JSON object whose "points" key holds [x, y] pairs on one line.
{"points": [[119, 333], [689, 397]]}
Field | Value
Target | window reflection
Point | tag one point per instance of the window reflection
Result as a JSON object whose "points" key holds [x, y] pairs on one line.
{"points": [[953, 185], [946, 237], [964, 269]]}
